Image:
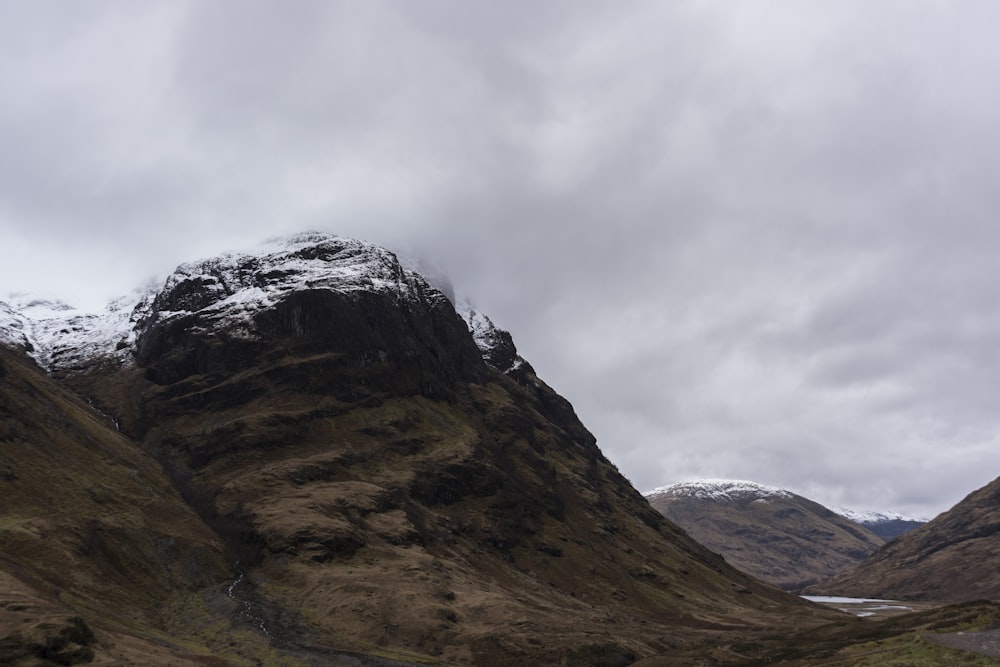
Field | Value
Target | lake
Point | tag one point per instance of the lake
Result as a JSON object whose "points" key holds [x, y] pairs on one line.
{"points": [[863, 607]]}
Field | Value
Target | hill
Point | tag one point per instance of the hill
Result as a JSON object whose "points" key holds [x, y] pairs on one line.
{"points": [[952, 558], [771, 533]]}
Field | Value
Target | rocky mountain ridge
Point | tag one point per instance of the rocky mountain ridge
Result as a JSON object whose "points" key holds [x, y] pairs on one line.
{"points": [[719, 489], [225, 292], [59, 336], [886, 525]]}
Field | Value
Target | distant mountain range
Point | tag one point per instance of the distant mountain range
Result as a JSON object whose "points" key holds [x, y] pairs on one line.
{"points": [[772, 533], [886, 525]]}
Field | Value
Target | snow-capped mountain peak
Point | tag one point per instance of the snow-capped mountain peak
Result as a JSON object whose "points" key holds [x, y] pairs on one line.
{"points": [[12, 328], [58, 335], [866, 518], [719, 489], [226, 292], [229, 288], [884, 524]]}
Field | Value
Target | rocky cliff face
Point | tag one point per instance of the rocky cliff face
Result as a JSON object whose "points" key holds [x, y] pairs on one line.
{"points": [[771, 533], [952, 558], [307, 294], [386, 478]]}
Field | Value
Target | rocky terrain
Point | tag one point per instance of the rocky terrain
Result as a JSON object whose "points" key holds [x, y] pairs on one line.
{"points": [[773, 534], [304, 455], [951, 558]]}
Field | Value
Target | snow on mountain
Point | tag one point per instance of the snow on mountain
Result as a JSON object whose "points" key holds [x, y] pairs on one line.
{"points": [[226, 291], [484, 332], [59, 336], [728, 489], [869, 518], [495, 344], [230, 288], [719, 489], [12, 328]]}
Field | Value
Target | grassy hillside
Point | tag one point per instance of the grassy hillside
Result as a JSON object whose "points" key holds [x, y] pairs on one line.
{"points": [[785, 539], [952, 558], [480, 526], [99, 555]]}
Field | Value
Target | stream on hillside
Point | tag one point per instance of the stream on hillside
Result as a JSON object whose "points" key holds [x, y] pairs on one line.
{"points": [[236, 592]]}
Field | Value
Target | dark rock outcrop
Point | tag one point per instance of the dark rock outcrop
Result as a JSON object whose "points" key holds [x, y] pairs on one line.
{"points": [[376, 314]]}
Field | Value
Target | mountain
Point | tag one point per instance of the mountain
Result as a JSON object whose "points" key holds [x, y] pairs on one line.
{"points": [[952, 558], [886, 525], [768, 532], [304, 455]]}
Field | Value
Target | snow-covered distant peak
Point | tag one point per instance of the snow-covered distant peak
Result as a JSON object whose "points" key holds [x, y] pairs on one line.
{"points": [[57, 335], [719, 489], [12, 328], [872, 518]]}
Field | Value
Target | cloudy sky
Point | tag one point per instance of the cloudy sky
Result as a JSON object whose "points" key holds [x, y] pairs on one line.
{"points": [[748, 239]]}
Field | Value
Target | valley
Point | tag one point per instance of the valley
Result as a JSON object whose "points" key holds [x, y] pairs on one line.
{"points": [[303, 455]]}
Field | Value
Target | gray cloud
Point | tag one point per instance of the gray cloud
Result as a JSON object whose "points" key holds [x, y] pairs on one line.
{"points": [[750, 240]]}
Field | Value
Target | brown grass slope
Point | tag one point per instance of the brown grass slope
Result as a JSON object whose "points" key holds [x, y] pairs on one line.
{"points": [[100, 558], [387, 491], [789, 541], [905, 640], [952, 558]]}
